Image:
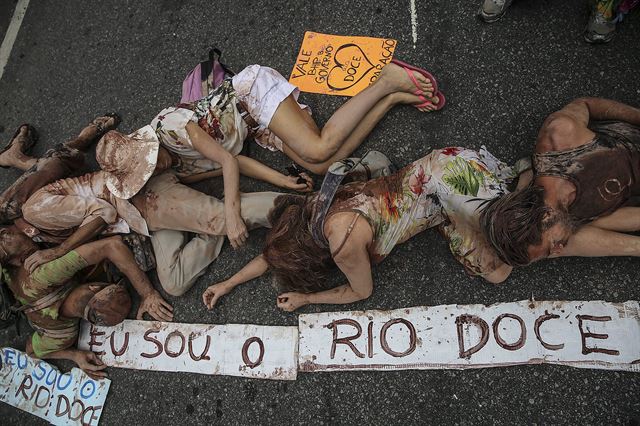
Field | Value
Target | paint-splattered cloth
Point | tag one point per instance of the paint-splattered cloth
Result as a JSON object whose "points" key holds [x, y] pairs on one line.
{"points": [[216, 114], [69, 203], [53, 332], [443, 189]]}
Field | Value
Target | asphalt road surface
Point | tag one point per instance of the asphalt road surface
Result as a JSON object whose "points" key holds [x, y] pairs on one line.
{"points": [[76, 59]]}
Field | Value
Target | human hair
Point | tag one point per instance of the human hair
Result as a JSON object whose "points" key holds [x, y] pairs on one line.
{"points": [[513, 222], [296, 261]]}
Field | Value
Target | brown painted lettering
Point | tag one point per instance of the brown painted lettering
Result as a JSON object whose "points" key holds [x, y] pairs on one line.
{"points": [[24, 387], [536, 328], [484, 337], [94, 415], [345, 340], [147, 336], [500, 341], [123, 348], [245, 352], [93, 333], [587, 350], [75, 403], [204, 355], [412, 337], [66, 410], [182, 344], [46, 401]]}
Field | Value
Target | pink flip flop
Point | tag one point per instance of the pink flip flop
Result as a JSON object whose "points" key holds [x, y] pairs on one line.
{"points": [[424, 72], [441, 102], [408, 68]]}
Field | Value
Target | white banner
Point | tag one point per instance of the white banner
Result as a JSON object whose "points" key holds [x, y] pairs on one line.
{"points": [[579, 334], [34, 386], [255, 351]]}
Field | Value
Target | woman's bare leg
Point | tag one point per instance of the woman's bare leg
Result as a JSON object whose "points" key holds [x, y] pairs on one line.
{"points": [[303, 138], [362, 130]]}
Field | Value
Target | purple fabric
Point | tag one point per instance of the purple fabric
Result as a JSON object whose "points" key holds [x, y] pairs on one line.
{"points": [[192, 86], [218, 74]]}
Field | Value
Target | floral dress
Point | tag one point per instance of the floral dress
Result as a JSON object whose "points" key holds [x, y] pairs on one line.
{"points": [[443, 189], [217, 114]]}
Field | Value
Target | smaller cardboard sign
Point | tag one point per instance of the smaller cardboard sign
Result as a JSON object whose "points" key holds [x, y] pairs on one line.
{"points": [[340, 65], [594, 334], [37, 387], [262, 352]]}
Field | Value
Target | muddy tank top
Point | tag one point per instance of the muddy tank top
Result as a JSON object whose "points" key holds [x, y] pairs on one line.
{"points": [[605, 171], [365, 198]]}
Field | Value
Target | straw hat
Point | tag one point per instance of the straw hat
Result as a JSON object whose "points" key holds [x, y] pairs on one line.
{"points": [[129, 160]]}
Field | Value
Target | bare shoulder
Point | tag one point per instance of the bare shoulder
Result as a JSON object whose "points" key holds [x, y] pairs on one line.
{"points": [[346, 237], [562, 131]]}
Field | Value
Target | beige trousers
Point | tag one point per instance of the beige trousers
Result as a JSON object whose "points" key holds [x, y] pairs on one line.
{"points": [[172, 210]]}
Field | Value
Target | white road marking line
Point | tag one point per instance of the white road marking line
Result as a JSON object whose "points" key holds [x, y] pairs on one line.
{"points": [[414, 22], [12, 32]]}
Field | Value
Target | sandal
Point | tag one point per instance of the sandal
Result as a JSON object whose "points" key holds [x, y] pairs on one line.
{"points": [[409, 68], [101, 129], [426, 102], [31, 139]]}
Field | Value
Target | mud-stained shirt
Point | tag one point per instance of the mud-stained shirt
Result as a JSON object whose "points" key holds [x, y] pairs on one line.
{"points": [[216, 114], [444, 189], [67, 204], [53, 332], [605, 171]]}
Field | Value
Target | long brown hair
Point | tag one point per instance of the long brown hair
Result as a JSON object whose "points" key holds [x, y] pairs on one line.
{"points": [[513, 222], [297, 262]]}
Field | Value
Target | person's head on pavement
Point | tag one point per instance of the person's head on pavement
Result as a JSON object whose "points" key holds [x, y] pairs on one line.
{"points": [[523, 229], [99, 303]]}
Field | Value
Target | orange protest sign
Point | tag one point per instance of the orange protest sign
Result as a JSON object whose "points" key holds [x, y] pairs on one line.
{"points": [[340, 65]]}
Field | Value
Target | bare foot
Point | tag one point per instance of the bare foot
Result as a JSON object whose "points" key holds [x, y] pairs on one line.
{"points": [[400, 81], [98, 127], [15, 153], [411, 99]]}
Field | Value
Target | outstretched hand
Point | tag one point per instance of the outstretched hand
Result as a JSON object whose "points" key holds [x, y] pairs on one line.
{"points": [[90, 364], [156, 306], [213, 293], [300, 183], [40, 258], [291, 301]]}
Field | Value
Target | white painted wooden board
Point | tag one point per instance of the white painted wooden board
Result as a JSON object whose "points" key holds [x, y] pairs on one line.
{"points": [[263, 352], [34, 386], [594, 334]]}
